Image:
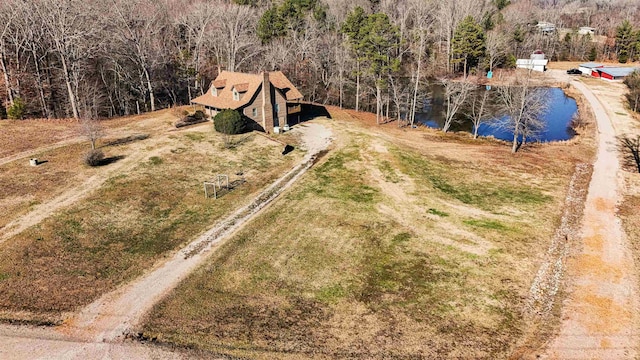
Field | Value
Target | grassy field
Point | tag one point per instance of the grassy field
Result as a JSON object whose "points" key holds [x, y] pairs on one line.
{"points": [[150, 203], [398, 244]]}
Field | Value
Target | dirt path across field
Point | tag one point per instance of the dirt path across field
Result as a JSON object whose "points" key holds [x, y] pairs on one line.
{"points": [[69, 197], [599, 318], [24, 154], [98, 330]]}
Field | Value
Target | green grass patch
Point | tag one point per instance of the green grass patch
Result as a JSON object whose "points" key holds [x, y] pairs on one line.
{"points": [[195, 136], [448, 178], [487, 224], [336, 179], [437, 212], [155, 160], [388, 172], [331, 293]]}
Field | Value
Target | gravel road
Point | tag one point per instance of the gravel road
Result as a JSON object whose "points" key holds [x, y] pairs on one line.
{"points": [[600, 316]]}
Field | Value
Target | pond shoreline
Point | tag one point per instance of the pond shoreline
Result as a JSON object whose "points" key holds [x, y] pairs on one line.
{"points": [[559, 118]]}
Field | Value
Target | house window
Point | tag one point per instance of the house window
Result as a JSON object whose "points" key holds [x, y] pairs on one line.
{"points": [[236, 96], [254, 112], [277, 108]]}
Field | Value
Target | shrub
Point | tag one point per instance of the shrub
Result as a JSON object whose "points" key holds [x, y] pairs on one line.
{"points": [[16, 111], [229, 122], [94, 158], [189, 120], [633, 96], [199, 115]]}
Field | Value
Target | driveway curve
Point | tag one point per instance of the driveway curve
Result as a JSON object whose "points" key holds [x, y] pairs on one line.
{"points": [[600, 316]]}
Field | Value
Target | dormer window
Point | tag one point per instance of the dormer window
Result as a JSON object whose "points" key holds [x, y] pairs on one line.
{"points": [[236, 95]]}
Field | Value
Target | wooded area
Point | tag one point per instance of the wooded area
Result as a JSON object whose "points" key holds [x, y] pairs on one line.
{"points": [[77, 58]]}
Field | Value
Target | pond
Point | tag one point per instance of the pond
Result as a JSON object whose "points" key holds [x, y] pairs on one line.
{"points": [[557, 118]]}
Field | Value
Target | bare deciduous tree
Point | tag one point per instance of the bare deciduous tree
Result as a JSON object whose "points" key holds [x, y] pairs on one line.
{"points": [[234, 34], [91, 130], [523, 105], [139, 26], [7, 16], [71, 25], [479, 107], [455, 94], [496, 47], [196, 23]]}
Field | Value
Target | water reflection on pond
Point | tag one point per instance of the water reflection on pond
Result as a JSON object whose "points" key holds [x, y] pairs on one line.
{"points": [[557, 118]]}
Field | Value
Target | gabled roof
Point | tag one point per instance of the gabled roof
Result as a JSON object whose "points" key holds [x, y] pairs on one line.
{"points": [[242, 87], [281, 82], [248, 83]]}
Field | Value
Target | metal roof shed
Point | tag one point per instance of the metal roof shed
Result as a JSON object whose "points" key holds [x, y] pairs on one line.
{"points": [[591, 65], [616, 73]]}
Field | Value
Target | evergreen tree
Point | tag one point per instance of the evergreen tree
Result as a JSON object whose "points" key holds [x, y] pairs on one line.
{"points": [[593, 53], [637, 45], [468, 43], [351, 29], [518, 34], [16, 110], [271, 25], [501, 4], [624, 41], [277, 20], [378, 45]]}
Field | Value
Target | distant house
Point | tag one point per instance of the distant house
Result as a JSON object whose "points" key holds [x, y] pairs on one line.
{"points": [[546, 27], [587, 68], [586, 30], [246, 93], [536, 62]]}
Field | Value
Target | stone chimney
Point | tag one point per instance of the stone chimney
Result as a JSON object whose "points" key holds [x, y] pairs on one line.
{"points": [[267, 103]]}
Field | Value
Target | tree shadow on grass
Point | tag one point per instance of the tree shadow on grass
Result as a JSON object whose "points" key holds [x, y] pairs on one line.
{"points": [[126, 140], [630, 149], [110, 160]]}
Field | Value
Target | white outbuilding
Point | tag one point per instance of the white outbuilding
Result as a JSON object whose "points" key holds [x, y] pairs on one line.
{"points": [[587, 68], [536, 62]]}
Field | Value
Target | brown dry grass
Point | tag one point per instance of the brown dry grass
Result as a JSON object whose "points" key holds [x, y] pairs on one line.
{"points": [[24, 186], [399, 244], [143, 212], [18, 136], [60, 145], [566, 65]]}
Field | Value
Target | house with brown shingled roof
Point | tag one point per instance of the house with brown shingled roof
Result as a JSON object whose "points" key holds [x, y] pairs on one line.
{"points": [[245, 93]]}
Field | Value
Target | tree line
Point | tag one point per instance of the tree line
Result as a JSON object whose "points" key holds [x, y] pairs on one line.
{"points": [[89, 58]]}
